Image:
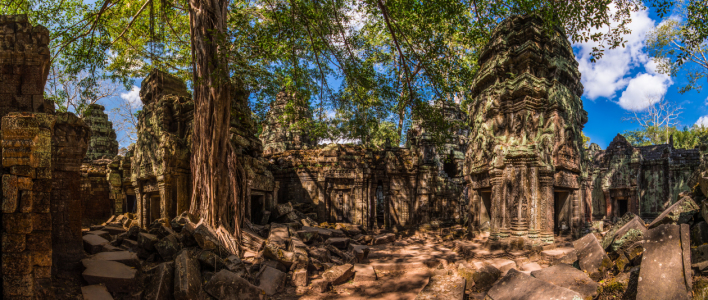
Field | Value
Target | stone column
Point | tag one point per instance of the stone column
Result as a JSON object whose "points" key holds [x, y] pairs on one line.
{"points": [[546, 211], [26, 217], [167, 197], [534, 204], [69, 144], [498, 205]]}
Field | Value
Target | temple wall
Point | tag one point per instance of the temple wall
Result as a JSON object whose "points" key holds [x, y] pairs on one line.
{"points": [[96, 200], [26, 131], [69, 144]]}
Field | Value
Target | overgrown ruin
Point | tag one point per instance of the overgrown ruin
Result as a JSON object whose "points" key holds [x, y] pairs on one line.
{"points": [[509, 205]]}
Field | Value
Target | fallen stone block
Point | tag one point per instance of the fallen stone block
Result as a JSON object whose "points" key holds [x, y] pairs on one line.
{"points": [[384, 239], [530, 267], [95, 292], [665, 270], [364, 273], [568, 277], [679, 213], [308, 236], [101, 233], [320, 285], [180, 221], [124, 257], [340, 243], [147, 241], [168, 247], [161, 287], [299, 276], [560, 256], [345, 256], [442, 287], [699, 234], [338, 274], [320, 254], [482, 274], [234, 264], [630, 233], [114, 230], [211, 261], [130, 245], [226, 285], [612, 232], [360, 252], [93, 243], [348, 229], [283, 209], [206, 238], [188, 281], [117, 277], [591, 256], [96, 227], [278, 236], [519, 286], [271, 280]]}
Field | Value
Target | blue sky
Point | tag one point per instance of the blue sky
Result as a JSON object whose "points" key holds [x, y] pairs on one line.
{"points": [[624, 78], [619, 83]]}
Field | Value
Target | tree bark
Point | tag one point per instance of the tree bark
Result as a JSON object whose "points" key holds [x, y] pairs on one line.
{"points": [[218, 184]]}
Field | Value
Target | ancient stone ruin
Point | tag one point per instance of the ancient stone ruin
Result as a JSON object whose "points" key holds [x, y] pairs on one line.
{"points": [[524, 160], [509, 206], [280, 131]]}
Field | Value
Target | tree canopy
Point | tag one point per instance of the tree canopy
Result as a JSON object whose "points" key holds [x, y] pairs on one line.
{"points": [[362, 66]]}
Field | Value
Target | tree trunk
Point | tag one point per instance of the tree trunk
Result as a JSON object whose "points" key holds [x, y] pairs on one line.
{"points": [[217, 183]]}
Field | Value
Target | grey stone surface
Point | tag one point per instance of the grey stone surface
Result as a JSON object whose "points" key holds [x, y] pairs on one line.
{"points": [[591, 256], [661, 275], [567, 276], [117, 277], [226, 285], [519, 286]]}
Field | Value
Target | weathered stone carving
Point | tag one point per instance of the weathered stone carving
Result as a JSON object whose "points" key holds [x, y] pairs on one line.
{"points": [[642, 180], [160, 164], [279, 132], [103, 138], [526, 115]]}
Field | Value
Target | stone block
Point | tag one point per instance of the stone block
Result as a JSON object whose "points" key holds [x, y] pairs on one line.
{"points": [[360, 252], [699, 234], [211, 261], [662, 271], [482, 274], [168, 247], [591, 256], [17, 263], [271, 280], [338, 274], [17, 223], [568, 277], [679, 213], [42, 258], [340, 243], [41, 203], [384, 239], [147, 241], [13, 242], [161, 287], [299, 277], [519, 286], [10, 193], [125, 257], [93, 243], [117, 277], [308, 236], [41, 222], [26, 201], [206, 237], [42, 272], [16, 286], [364, 273], [227, 285], [96, 292], [188, 280], [320, 285], [278, 236], [39, 241]]}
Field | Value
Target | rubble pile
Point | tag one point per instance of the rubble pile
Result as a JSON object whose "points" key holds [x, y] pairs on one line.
{"points": [[186, 259]]}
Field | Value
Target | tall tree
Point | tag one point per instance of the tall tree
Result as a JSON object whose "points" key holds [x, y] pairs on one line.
{"points": [[217, 175]]}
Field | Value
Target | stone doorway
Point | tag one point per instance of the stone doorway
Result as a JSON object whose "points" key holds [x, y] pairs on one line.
{"points": [[484, 213], [257, 205], [622, 206], [380, 204], [561, 211], [154, 207], [130, 202]]}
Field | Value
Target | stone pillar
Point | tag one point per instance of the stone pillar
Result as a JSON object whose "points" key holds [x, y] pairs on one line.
{"points": [[498, 205], [535, 203], [167, 203], [546, 211], [26, 218], [69, 144]]}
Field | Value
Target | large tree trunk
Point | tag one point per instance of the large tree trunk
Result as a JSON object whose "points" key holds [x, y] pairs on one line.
{"points": [[217, 182]]}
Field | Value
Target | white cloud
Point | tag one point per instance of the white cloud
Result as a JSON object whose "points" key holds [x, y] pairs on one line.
{"points": [[702, 121], [133, 97], [609, 75], [644, 90]]}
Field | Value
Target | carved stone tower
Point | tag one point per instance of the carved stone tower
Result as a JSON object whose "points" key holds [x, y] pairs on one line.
{"points": [[103, 137], [277, 135], [523, 160]]}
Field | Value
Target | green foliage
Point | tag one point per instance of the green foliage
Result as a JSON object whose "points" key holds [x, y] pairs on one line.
{"points": [[392, 57], [586, 140], [687, 138], [681, 43]]}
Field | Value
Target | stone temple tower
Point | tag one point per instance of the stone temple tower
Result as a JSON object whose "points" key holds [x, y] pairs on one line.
{"points": [[522, 165]]}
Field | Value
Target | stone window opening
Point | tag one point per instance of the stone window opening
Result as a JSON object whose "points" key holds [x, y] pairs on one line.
{"points": [[257, 207], [450, 166], [130, 202], [561, 211]]}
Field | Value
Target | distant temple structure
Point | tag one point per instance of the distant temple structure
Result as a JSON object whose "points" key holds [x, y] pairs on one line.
{"points": [[523, 163]]}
